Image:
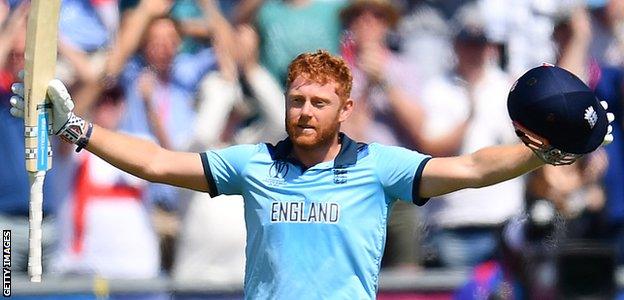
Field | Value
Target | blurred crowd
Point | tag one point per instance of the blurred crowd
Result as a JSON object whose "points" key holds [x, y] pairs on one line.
{"points": [[192, 75]]}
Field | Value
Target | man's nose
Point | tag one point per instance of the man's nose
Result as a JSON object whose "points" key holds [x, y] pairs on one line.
{"points": [[306, 109]]}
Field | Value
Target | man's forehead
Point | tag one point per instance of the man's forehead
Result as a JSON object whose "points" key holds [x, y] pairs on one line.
{"points": [[302, 84]]}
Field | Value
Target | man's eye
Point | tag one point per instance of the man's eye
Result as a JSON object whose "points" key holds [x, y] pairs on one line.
{"points": [[318, 103]]}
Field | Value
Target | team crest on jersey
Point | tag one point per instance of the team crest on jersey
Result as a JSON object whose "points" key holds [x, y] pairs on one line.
{"points": [[591, 116], [340, 176], [277, 173]]}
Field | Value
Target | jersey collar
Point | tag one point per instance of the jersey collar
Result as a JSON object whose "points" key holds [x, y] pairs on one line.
{"points": [[346, 157]]}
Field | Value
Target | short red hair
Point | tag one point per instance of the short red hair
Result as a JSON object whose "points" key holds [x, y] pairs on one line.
{"points": [[322, 67]]}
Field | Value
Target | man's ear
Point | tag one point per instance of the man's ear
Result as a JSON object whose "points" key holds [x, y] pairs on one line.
{"points": [[347, 108]]}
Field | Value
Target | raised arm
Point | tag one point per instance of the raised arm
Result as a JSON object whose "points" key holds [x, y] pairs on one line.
{"points": [[15, 25], [246, 11], [495, 164], [485, 167], [147, 160], [136, 156], [133, 27]]}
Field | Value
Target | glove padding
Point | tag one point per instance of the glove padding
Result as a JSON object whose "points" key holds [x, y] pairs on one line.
{"points": [[552, 155], [65, 123]]}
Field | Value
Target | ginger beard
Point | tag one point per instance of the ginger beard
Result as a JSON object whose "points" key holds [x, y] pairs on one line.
{"points": [[310, 127], [307, 134]]}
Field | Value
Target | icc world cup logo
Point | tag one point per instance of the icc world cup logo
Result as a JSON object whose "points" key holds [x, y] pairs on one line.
{"points": [[279, 169]]}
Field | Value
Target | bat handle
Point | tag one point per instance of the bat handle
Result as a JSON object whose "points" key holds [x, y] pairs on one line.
{"points": [[35, 232]]}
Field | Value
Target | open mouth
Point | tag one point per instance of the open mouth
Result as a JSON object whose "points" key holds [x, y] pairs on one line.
{"points": [[306, 129]]}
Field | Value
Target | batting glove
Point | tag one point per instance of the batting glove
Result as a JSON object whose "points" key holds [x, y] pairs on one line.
{"points": [[610, 117], [65, 123]]}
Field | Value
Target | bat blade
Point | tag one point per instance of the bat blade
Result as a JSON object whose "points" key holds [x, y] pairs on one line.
{"points": [[40, 65]]}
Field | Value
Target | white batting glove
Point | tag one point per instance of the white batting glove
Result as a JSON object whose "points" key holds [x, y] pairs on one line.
{"points": [[65, 123], [610, 117]]}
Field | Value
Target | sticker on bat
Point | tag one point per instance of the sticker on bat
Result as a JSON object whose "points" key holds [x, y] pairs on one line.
{"points": [[42, 138]]}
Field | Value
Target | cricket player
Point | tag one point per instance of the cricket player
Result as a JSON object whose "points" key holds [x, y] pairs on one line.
{"points": [[316, 203]]}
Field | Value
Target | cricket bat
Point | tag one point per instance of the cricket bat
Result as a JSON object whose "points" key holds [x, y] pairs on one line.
{"points": [[40, 63]]}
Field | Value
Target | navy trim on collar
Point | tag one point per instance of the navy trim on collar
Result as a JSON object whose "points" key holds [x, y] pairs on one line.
{"points": [[346, 157], [348, 152]]}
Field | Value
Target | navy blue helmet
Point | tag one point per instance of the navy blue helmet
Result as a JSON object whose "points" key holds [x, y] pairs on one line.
{"points": [[559, 108]]}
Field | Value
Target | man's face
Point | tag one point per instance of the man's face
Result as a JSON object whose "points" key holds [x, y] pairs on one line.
{"points": [[369, 26], [314, 113], [471, 53], [161, 44], [109, 114]]}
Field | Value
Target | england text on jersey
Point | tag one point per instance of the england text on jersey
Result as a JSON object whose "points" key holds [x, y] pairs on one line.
{"points": [[299, 212]]}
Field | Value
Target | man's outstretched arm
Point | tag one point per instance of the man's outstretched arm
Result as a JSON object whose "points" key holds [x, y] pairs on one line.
{"points": [[136, 156], [484, 167], [147, 160], [495, 164]]}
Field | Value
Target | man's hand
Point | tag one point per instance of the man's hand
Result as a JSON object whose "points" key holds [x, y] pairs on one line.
{"points": [[248, 42], [373, 60], [146, 84], [155, 8], [65, 123]]}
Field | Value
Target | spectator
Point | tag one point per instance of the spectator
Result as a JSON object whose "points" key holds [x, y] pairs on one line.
{"points": [[610, 88], [108, 13], [211, 243], [534, 262], [105, 229], [159, 106], [93, 78], [572, 38], [385, 84], [14, 182], [13, 32], [385, 91], [171, 94], [523, 257], [529, 36], [290, 27], [608, 36], [427, 38], [575, 190], [81, 27], [83, 42], [608, 80], [222, 91], [470, 100], [577, 194]]}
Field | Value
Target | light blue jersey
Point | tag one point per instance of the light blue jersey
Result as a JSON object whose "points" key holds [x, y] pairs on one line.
{"points": [[316, 233]]}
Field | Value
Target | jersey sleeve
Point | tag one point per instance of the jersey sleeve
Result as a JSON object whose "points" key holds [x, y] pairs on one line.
{"points": [[400, 171], [224, 168]]}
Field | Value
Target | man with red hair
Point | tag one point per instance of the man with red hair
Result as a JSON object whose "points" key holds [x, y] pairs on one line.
{"points": [[316, 203]]}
